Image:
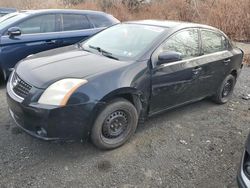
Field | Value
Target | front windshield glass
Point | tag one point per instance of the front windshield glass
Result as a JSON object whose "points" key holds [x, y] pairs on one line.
{"points": [[10, 18], [124, 41]]}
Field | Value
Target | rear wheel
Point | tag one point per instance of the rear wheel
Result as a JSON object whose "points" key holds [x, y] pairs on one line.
{"points": [[115, 124], [225, 91]]}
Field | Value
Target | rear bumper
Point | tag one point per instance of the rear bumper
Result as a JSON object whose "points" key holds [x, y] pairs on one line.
{"points": [[50, 122]]}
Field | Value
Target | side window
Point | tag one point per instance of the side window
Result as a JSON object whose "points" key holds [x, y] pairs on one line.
{"points": [[186, 42], [39, 24], [73, 22], [213, 42], [99, 21]]}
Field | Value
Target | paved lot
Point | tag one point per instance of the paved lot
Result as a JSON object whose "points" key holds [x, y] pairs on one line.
{"points": [[198, 145]]}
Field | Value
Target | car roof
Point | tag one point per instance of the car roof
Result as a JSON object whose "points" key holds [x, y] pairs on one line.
{"points": [[62, 11], [7, 10], [171, 24]]}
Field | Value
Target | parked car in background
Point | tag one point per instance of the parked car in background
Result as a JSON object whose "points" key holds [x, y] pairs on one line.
{"points": [[29, 32], [4, 11], [124, 74], [243, 177]]}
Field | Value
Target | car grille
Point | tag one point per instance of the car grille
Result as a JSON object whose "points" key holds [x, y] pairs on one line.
{"points": [[20, 87]]}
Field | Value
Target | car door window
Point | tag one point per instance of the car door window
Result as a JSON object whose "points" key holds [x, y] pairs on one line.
{"points": [[99, 21], [213, 42], [185, 42], [39, 24], [75, 22]]}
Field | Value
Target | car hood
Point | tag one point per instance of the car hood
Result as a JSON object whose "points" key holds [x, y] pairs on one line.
{"points": [[45, 68]]}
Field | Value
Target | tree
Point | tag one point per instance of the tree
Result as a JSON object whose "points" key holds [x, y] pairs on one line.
{"points": [[72, 2]]}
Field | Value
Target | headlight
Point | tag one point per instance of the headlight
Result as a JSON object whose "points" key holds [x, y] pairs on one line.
{"points": [[59, 92]]}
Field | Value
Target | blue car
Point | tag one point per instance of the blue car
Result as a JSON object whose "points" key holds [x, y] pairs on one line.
{"points": [[29, 32], [4, 11]]}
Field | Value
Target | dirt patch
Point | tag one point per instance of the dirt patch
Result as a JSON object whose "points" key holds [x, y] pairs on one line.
{"points": [[104, 165]]}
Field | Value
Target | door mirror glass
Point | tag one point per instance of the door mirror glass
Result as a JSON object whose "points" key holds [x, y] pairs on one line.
{"points": [[14, 31], [168, 57]]}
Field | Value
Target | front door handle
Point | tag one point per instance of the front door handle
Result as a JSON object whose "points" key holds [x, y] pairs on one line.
{"points": [[50, 42], [196, 70]]}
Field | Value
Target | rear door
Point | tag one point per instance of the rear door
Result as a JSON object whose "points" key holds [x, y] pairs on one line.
{"points": [[76, 27], [215, 61], [99, 21], [39, 33], [175, 83]]}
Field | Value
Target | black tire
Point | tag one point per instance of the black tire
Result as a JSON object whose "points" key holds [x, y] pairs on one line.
{"points": [[225, 91], [115, 124]]}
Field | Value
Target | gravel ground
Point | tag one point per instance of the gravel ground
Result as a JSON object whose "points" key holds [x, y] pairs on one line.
{"points": [[198, 145]]}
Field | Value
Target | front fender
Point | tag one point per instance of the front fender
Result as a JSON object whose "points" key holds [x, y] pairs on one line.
{"points": [[135, 96], [131, 81]]}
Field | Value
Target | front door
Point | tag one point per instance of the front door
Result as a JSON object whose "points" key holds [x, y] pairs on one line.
{"points": [[75, 28], [176, 83], [39, 33]]}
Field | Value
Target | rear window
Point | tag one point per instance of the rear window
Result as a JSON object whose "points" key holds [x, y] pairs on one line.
{"points": [[75, 22], [213, 42], [99, 21]]}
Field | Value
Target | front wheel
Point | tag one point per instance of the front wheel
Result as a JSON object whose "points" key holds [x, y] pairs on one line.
{"points": [[225, 91], [115, 124]]}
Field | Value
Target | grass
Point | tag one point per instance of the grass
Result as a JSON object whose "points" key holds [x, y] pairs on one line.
{"points": [[232, 17], [247, 60]]}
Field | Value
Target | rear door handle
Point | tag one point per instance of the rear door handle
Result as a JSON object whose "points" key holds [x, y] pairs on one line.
{"points": [[226, 61]]}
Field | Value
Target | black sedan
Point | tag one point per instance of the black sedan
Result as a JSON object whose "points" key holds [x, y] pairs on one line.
{"points": [[243, 177], [131, 71]]}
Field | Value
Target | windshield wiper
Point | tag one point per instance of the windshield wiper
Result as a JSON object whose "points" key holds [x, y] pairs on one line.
{"points": [[79, 45], [104, 52]]}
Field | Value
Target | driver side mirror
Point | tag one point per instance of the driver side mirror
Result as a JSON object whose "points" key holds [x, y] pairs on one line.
{"points": [[14, 31], [168, 57]]}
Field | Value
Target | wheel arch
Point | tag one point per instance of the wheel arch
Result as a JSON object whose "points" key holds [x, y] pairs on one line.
{"points": [[234, 73], [133, 95]]}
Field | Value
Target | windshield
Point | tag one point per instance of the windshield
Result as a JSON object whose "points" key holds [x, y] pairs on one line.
{"points": [[10, 18], [124, 41]]}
